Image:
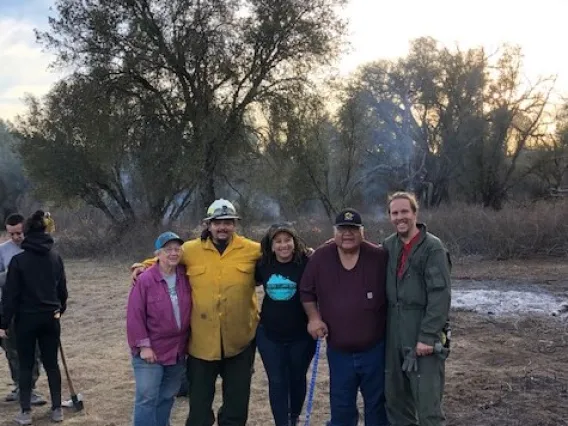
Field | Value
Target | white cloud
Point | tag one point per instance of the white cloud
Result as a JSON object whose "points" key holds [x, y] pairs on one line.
{"points": [[384, 29], [16, 92], [24, 66]]}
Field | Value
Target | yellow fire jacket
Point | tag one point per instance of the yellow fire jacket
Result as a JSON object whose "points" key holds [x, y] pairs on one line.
{"points": [[225, 311]]}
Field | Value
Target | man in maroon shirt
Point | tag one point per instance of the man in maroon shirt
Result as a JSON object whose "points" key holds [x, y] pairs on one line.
{"points": [[343, 293]]}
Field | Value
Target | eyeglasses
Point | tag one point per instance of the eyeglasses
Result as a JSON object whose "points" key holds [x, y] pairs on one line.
{"points": [[346, 228]]}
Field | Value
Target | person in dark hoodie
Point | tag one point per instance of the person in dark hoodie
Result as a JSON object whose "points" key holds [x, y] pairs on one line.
{"points": [[35, 295]]}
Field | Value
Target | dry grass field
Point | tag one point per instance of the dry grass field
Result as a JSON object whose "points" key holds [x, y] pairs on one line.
{"points": [[501, 371]]}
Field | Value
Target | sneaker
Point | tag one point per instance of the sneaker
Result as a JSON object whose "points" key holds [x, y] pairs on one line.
{"points": [[57, 415], [24, 418], [14, 395], [37, 399]]}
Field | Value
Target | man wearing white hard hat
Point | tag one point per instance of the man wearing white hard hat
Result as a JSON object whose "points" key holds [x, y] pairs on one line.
{"points": [[224, 317]]}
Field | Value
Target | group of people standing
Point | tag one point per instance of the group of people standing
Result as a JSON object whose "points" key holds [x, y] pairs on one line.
{"points": [[33, 298], [383, 311]]}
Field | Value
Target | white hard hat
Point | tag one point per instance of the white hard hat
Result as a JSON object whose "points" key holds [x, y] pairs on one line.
{"points": [[221, 209]]}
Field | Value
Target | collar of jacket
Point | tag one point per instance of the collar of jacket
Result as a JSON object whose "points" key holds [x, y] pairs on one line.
{"points": [[157, 273], [237, 242], [421, 229]]}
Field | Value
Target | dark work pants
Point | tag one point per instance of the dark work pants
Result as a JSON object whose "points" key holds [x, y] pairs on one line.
{"points": [[236, 373], [286, 365], [43, 329], [184, 386], [11, 349]]}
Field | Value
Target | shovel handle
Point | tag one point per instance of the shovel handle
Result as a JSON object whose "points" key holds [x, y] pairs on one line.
{"points": [[63, 360]]}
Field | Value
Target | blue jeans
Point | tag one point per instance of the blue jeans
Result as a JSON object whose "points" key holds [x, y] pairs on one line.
{"points": [[286, 365], [351, 371], [156, 388]]}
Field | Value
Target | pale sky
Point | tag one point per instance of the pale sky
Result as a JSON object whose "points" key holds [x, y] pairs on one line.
{"points": [[378, 29]]}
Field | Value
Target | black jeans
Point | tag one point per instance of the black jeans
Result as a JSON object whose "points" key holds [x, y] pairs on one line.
{"points": [[43, 329], [236, 373], [286, 365]]}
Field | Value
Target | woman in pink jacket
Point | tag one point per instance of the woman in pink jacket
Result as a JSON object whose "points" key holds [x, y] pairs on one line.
{"points": [[157, 323]]}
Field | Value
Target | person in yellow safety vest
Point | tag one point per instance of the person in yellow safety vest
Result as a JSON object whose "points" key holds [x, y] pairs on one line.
{"points": [[220, 265]]}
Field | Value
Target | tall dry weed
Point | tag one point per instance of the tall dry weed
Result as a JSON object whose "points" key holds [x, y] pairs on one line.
{"points": [[535, 230]]}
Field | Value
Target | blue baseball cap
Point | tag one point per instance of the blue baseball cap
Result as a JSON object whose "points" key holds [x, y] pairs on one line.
{"points": [[165, 238]]}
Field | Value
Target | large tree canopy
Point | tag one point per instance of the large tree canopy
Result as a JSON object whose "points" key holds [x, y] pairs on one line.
{"points": [[199, 64]]}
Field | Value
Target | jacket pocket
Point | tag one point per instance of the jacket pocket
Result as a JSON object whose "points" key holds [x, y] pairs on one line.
{"points": [[156, 298], [246, 268], [195, 271]]}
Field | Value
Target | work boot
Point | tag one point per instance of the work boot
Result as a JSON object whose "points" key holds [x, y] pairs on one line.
{"points": [[14, 395], [37, 399], [24, 418], [57, 415]]}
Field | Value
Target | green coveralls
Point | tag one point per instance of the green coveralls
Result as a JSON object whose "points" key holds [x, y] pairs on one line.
{"points": [[418, 309]]}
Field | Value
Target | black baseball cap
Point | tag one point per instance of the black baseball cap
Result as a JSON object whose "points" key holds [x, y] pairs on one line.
{"points": [[348, 217], [282, 227]]}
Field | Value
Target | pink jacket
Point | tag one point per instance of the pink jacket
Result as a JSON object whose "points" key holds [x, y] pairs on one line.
{"points": [[150, 319]]}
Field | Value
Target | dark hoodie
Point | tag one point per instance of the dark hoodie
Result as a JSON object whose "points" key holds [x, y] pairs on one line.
{"points": [[36, 280]]}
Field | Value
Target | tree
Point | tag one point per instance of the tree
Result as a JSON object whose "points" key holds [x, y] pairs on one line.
{"points": [[314, 154], [426, 109], [13, 183], [451, 122], [89, 141], [550, 161], [514, 112], [203, 63], [298, 149]]}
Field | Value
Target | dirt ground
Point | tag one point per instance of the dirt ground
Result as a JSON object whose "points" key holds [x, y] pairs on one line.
{"points": [[501, 371]]}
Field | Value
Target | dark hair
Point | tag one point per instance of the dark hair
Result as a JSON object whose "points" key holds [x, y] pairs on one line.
{"points": [[14, 219], [35, 223], [268, 257], [206, 233]]}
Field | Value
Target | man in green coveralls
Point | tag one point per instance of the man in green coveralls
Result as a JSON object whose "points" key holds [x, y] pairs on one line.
{"points": [[418, 294]]}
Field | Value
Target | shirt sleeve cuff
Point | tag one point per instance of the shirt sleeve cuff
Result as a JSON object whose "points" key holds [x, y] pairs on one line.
{"points": [[428, 339], [143, 343], [307, 298]]}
